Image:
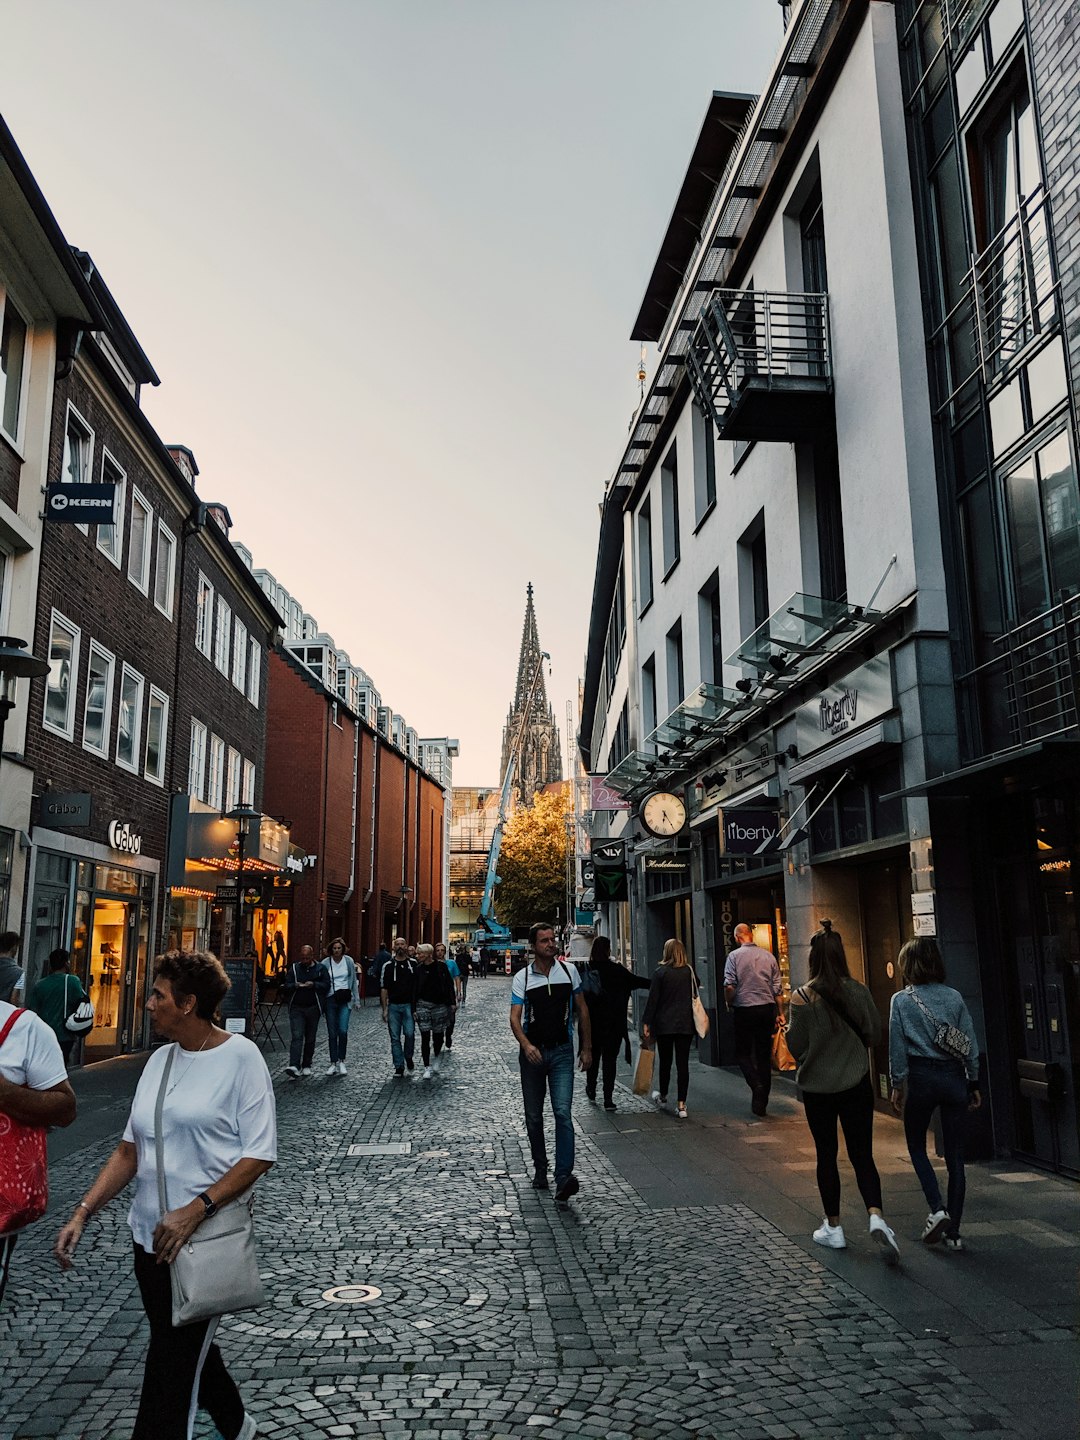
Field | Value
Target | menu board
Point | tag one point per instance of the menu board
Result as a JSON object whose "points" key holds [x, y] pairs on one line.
{"points": [[239, 1004]]}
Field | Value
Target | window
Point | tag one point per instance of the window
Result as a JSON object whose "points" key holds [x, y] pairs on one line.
{"points": [[222, 633], [240, 654], [1044, 528], [12, 367], [247, 787], [78, 453], [60, 685], [644, 539], [812, 243], [669, 504], [648, 697], [129, 730], [204, 616], [832, 562], [110, 538], [232, 786], [97, 712], [139, 541], [620, 740], [196, 780], [157, 736], [674, 666], [711, 644], [165, 570], [254, 670], [759, 577], [704, 464], [215, 783]]}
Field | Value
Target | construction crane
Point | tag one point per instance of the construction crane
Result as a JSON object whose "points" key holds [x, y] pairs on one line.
{"points": [[491, 931]]}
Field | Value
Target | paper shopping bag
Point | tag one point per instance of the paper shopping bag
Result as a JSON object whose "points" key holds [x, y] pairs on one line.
{"points": [[643, 1073]]}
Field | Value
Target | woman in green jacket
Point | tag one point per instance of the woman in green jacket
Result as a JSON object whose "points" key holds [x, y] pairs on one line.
{"points": [[831, 1024]]}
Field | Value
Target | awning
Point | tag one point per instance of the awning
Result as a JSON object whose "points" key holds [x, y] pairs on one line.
{"points": [[872, 737], [1042, 760]]}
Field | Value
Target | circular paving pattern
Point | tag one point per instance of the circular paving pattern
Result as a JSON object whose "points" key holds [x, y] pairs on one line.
{"points": [[352, 1294]]}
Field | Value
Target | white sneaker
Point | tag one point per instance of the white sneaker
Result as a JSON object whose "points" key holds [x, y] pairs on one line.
{"points": [[831, 1236], [952, 1242], [306, 1070], [332, 1069], [659, 1099], [427, 1072], [884, 1237], [247, 1430], [291, 1071], [680, 1114], [341, 1068], [937, 1222], [435, 1066]]}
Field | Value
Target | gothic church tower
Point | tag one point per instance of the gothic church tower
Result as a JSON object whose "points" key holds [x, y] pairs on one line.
{"points": [[540, 758]]}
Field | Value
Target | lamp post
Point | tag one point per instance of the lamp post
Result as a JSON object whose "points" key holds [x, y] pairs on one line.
{"points": [[15, 665], [403, 907], [242, 816]]}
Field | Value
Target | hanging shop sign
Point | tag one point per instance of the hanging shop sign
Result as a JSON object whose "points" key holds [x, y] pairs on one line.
{"points": [[748, 831], [69, 809], [665, 864], [81, 504], [863, 695], [609, 868], [603, 797], [123, 838]]}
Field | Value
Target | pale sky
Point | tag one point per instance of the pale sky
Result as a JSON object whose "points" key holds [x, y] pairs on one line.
{"points": [[385, 256]]}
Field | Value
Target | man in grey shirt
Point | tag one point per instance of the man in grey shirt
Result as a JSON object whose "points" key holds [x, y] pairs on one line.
{"points": [[752, 988], [11, 974]]}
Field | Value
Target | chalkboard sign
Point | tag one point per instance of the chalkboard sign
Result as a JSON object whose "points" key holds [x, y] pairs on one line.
{"points": [[238, 1006]]}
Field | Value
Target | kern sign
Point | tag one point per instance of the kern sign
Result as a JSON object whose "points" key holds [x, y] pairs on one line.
{"points": [[81, 504], [746, 831]]}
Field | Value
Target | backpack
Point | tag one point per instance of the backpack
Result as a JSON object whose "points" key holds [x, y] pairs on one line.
{"points": [[591, 984]]}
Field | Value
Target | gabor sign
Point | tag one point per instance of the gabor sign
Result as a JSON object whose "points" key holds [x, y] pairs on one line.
{"points": [[123, 838]]}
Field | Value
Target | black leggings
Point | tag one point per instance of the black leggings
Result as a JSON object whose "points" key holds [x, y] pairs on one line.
{"points": [[681, 1046], [854, 1109], [426, 1037], [182, 1367]]}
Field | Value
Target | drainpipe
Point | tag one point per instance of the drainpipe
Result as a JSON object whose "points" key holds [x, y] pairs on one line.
{"points": [[405, 828], [352, 833]]}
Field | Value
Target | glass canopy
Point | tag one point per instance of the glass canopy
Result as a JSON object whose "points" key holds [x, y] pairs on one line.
{"points": [[801, 633]]}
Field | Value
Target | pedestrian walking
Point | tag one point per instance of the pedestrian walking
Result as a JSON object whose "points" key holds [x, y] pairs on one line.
{"points": [[57, 996], [607, 988], [545, 996], [375, 968], [464, 965], [11, 972], [344, 998], [435, 1005], [933, 1065], [669, 1020], [455, 975], [306, 987], [398, 996], [34, 1093], [752, 989], [217, 1136], [832, 1023]]}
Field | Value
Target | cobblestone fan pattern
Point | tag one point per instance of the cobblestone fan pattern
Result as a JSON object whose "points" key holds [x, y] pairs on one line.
{"points": [[498, 1315]]}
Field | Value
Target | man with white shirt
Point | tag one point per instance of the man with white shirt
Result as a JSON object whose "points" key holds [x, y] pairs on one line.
{"points": [[752, 988], [34, 1088]]}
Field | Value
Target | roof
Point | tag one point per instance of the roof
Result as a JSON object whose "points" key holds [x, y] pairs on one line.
{"points": [[720, 129], [116, 326]]}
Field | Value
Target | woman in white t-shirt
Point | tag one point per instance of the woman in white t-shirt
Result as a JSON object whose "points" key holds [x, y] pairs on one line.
{"points": [[34, 1087], [344, 997], [219, 1134]]}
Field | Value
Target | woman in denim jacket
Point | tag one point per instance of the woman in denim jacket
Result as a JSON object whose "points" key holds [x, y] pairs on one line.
{"points": [[926, 1077]]}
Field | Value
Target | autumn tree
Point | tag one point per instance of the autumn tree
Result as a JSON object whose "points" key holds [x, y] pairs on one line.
{"points": [[532, 863]]}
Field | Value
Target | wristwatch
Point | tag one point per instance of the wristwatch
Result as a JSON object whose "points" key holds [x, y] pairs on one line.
{"points": [[211, 1205]]}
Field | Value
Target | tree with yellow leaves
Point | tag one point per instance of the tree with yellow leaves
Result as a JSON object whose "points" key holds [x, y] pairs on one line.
{"points": [[532, 862]]}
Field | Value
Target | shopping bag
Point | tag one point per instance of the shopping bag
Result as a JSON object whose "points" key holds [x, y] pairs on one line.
{"points": [[24, 1165], [782, 1057], [643, 1072]]}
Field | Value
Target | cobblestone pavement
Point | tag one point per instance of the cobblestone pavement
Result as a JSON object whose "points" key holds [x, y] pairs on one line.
{"points": [[496, 1315]]}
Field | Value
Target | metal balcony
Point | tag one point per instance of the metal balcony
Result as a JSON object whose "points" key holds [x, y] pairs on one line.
{"points": [[1014, 286], [1042, 674], [760, 364]]}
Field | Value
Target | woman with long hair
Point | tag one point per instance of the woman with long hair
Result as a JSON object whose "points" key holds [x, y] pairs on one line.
{"points": [[607, 987], [669, 1016], [927, 1076], [831, 1024]]}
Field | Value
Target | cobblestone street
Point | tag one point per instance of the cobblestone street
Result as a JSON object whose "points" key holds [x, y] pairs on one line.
{"points": [[668, 1301]]}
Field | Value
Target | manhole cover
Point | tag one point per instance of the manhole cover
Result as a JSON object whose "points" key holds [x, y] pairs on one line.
{"points": [[352, 1294], [393, 1147]]}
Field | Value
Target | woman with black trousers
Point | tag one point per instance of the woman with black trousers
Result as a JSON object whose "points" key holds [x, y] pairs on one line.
{"points": [[832, 1023], [608, 987], [669, 1016]]}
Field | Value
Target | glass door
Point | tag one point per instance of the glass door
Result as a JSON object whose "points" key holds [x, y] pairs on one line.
{"points": [[108, 962]]}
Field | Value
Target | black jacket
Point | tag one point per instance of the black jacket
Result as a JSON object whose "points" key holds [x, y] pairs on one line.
{"points": [[668, 1010], [435, 984], [305, 999], [399, 981], [607, 1011]]}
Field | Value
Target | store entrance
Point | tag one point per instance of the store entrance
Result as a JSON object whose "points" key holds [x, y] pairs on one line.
{"points": [[885, 912], [115, 979]]}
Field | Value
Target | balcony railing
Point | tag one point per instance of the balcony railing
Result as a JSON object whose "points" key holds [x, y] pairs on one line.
{"points": [[1013, 285], [760, 364], [1042, 674]]}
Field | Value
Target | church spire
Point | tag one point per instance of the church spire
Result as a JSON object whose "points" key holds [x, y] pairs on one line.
{"points": [[539, 760]]}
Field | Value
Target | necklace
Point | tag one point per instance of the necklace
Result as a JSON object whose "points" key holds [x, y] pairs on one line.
{"points": [[190, 1061]]}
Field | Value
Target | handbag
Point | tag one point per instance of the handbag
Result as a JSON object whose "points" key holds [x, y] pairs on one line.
{"points": [[81, 1018], [24, 1166], [949, 1039], [782, 1057], [643, 1072], [216, 1270], [701, 1015]]}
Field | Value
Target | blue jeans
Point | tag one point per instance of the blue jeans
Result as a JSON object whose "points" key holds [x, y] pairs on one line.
{"points": [[303, 1025], [555, 1073], [934, 1084], [337, 1026], [401, 1024]]}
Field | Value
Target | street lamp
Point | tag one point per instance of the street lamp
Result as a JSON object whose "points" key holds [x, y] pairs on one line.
{"points": [[15, 665], [242, 816]]}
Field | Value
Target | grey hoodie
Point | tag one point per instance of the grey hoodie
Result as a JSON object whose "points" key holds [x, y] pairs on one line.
{"points": [[10, 976]]}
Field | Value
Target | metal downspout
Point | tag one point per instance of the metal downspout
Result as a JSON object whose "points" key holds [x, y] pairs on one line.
{"points": [[352, 833]]}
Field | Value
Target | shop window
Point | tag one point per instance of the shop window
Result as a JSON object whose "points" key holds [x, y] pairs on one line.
{"points": [[139, 541], [215, 781], [97, 712], [856, 813], [59, 714], [240, 654], [222, 636], [165, 569], [157, 736], [13, 333], [129, 728], [669, 504], [1044, 528], [704, 451], [645, 568], [887, 816], [204, 616], [197, 760], [110, 538], [254, 670]]}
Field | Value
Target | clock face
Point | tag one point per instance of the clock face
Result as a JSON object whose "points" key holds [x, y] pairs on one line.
{"points": [[663, 813]]}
